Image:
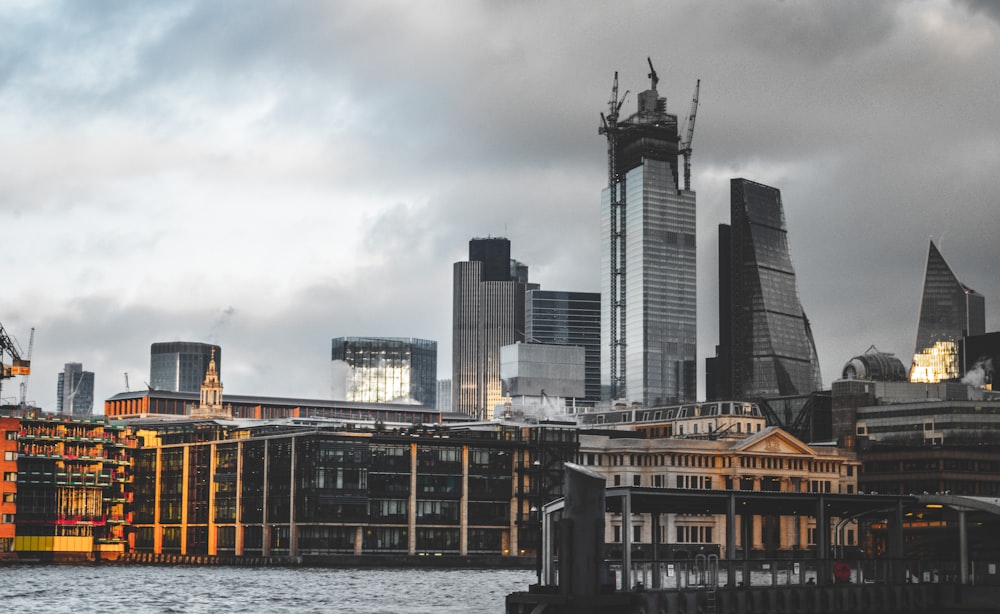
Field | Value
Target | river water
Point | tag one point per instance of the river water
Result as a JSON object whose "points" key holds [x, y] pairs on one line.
{"points": [[138, 588]]}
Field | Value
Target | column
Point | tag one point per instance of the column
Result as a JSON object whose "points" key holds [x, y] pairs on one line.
{"points": [[213, 540], [185, 476], [265, 529], [411, 521], [463, 506], [293, 528]]}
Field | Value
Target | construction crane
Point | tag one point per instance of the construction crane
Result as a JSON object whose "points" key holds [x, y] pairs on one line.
{"points": [[24, 382], [18, 366], [616, 192], [688, 134]]}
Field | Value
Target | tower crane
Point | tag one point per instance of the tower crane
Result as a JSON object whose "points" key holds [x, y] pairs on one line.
{"points": [[18, 365], [24, 382], [688, 130]]}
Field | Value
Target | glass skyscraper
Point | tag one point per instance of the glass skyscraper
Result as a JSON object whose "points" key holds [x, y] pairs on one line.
{"points": [[487, 314], [180, 366], [654, 303], [568, 318], [949, 312], [75, 391], [766, 347], [388, 369]]}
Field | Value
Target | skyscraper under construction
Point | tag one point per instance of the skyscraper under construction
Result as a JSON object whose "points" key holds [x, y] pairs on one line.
{"points": [[648, 288]]}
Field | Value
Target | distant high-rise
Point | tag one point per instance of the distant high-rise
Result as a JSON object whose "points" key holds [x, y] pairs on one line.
{"points": [[766, 346], [75, 391], [388, 369], [648, 269], [443, 395], [181, 366], [568, 318], [949, 311], [488, 313]]}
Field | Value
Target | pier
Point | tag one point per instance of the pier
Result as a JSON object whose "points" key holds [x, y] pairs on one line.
{"points": [[575, 575]]}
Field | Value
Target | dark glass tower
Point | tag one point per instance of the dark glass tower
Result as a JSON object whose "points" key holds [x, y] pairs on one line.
{"points": [[387, 369], [180, 366], [949, 312], [766, 346], [487, 313], [568, 318]]}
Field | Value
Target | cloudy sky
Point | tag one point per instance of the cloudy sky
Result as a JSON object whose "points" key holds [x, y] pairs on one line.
{"points": [[269, 175]]}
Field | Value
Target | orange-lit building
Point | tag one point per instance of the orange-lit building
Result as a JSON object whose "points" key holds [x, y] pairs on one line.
{"points": [[9, 429]]}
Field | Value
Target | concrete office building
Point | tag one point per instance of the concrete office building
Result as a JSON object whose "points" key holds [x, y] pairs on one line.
{"points": [[488, 313]]}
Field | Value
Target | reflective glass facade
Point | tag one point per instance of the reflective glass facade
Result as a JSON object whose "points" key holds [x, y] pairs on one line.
{"points": [[949, 311], [75, 391], [568, 318], [658, 323], [180, 366], [766, 345], [388, 369]]}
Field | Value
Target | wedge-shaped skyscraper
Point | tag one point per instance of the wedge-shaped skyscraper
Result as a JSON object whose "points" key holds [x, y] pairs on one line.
{"points": [[949, 311], [766, 346]]}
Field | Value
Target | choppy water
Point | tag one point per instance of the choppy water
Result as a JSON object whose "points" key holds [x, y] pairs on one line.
{"points": [[135, 588]]}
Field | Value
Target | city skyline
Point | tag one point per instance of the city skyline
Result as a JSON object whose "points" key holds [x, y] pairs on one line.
{"points": [[307, 172]]}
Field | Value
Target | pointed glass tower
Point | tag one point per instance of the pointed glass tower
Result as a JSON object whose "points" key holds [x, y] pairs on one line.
{"points": [[949, 311]]}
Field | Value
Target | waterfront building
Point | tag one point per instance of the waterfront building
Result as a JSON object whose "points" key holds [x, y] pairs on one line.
{"points": [[387, 369], [73, 481], [697, 447], [487, 313], [317, 488], [9, 429], [75, 391], [143, 403], [568, 318], [949, 311], [180, 366], [766, 346]]}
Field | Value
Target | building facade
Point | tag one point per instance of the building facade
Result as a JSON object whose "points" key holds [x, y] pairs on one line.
{"points": [[73, 483], [643, 454], [75, 391], [10, 428], [180, 366], [949, 311], [568, 318], [278, 490], [766, 346], [387, 369], [648, 268], [487, 314]]}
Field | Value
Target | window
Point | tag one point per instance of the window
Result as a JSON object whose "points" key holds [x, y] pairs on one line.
{"points": [[636, 534], [10, 476], [10, 456], [636, 480], [11, 435], [618, 534], [618, 482], [8, 518], [9, 497]]}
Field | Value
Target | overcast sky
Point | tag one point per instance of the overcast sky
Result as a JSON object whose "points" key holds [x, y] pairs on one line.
{"points": [[270, 175]]}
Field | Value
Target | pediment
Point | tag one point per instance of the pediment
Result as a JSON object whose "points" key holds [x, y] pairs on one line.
{"points": [[774, 441]]}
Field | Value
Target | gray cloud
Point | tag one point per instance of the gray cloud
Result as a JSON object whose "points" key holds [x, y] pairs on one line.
{"points": [[275, 175]]}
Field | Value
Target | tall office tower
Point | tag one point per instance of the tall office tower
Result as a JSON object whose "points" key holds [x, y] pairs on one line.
{"points": [[488, 313], [568, 318], [949, 311], [648, 269], [387, 369], [443, 395], [766, 346], [181, 366], [75, 391]]}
